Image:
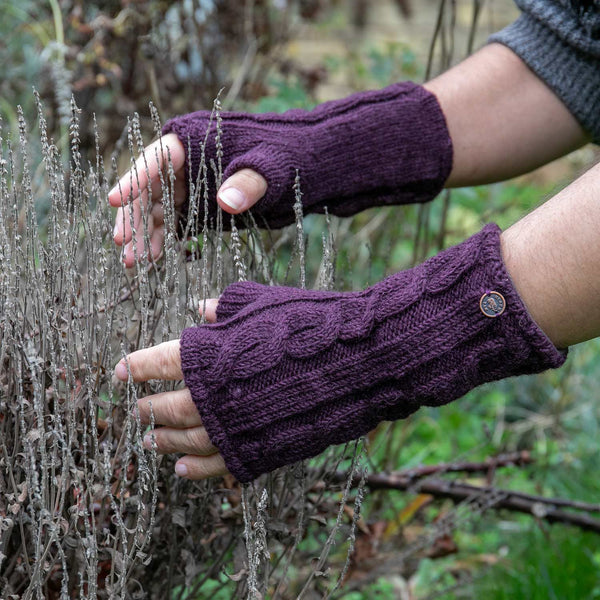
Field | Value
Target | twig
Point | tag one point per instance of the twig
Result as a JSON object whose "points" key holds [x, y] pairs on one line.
{"points": [[407, 477], [419, 481], [502, 460]]}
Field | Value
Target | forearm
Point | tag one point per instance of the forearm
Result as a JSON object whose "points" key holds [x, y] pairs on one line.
{"points": [[503, 120], [553, 257]]}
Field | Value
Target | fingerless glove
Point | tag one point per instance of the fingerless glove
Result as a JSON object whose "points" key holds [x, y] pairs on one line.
{"points": [[373, 148], [284, 373]]}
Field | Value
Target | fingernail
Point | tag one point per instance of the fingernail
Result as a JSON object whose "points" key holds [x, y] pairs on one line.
{"points": [[181, 469], [233, 198], [121, 371], [148, 441]]}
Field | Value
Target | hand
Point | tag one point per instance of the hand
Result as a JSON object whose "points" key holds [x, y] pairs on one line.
{"points": [[182, 430], [238, 193]]}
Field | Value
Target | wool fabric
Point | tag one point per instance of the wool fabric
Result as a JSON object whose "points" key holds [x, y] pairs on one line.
{"points": [[560, 42], [373, 148], [284, 373]]}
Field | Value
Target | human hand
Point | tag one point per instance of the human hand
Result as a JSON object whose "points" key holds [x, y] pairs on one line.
{"points": [[285, 373], [181, 428], [142, 185], [238, 193], [373, 148]]}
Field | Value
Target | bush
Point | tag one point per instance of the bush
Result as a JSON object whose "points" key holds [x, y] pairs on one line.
{"points": [[84, 508]]}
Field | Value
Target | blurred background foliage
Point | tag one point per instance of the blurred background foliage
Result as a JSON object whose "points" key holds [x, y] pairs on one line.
{"points": [[116, 56]]}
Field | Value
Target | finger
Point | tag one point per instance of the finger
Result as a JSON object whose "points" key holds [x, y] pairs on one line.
{"points": [[143, 185], [241, 191], [137, 206], [137, 248], [131, 253], [201, 467], [144, 217], [156, 241], [172, 440], [158, 213], [122, 229], [157, 362], [147, 167], [137, 218], [208, 308], [128, 218], [173, 409], [143, 233], [156, 237]]}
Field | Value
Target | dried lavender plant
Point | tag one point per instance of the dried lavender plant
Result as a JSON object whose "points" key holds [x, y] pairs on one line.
{"points": [[85, 510]]}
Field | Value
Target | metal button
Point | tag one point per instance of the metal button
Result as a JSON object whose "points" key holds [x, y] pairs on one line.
{"points": [[492, 304]]}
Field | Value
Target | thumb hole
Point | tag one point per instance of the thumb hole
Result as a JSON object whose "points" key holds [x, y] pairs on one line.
{"points": [[241, 191]]}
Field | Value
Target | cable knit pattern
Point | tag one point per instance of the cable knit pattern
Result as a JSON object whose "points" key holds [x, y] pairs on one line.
{"points": [[284, 373], [374, 148]]}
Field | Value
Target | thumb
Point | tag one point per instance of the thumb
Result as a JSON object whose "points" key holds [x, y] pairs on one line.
{"points": [[208, 308], [241, 191]]}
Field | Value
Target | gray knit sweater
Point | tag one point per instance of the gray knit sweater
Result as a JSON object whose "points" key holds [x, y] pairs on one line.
{"points": [[560, 41]]}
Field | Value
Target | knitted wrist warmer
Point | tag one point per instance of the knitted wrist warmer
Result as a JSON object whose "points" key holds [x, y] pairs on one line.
{"points": [[284, 373], [373, 148]]}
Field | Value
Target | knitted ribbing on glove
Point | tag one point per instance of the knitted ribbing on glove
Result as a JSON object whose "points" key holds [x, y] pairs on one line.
{"points": [[284, 373], [373, 148]]}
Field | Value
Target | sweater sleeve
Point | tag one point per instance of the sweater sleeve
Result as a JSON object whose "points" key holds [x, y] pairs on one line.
{"points": [[560, 42]]}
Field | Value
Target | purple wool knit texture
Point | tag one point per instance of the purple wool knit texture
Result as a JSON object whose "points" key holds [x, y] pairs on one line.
{"points": [[285, 373], [373, 148]]}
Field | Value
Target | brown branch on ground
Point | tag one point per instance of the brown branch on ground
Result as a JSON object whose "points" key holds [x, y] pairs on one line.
{"points": [[517, 459], [419, 480]]}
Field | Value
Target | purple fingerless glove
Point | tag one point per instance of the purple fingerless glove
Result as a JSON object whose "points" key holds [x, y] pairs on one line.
{"points": [[284, 373], [373, 148]]}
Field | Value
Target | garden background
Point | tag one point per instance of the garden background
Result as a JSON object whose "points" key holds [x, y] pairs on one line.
{"points": [[493, 496]]}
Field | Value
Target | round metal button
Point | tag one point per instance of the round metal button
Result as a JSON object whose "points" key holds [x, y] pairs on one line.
{"points": [[492, 304]]}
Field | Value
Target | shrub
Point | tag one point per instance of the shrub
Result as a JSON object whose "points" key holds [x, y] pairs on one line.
{"points": [[85, 510]]}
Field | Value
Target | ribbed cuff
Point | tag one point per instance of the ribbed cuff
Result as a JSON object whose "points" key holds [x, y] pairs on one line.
{"points": [[573, 75], [521, 323]]}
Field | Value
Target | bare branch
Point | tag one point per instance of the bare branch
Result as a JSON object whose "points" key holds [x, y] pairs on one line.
{"points": [[419, 481]]}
